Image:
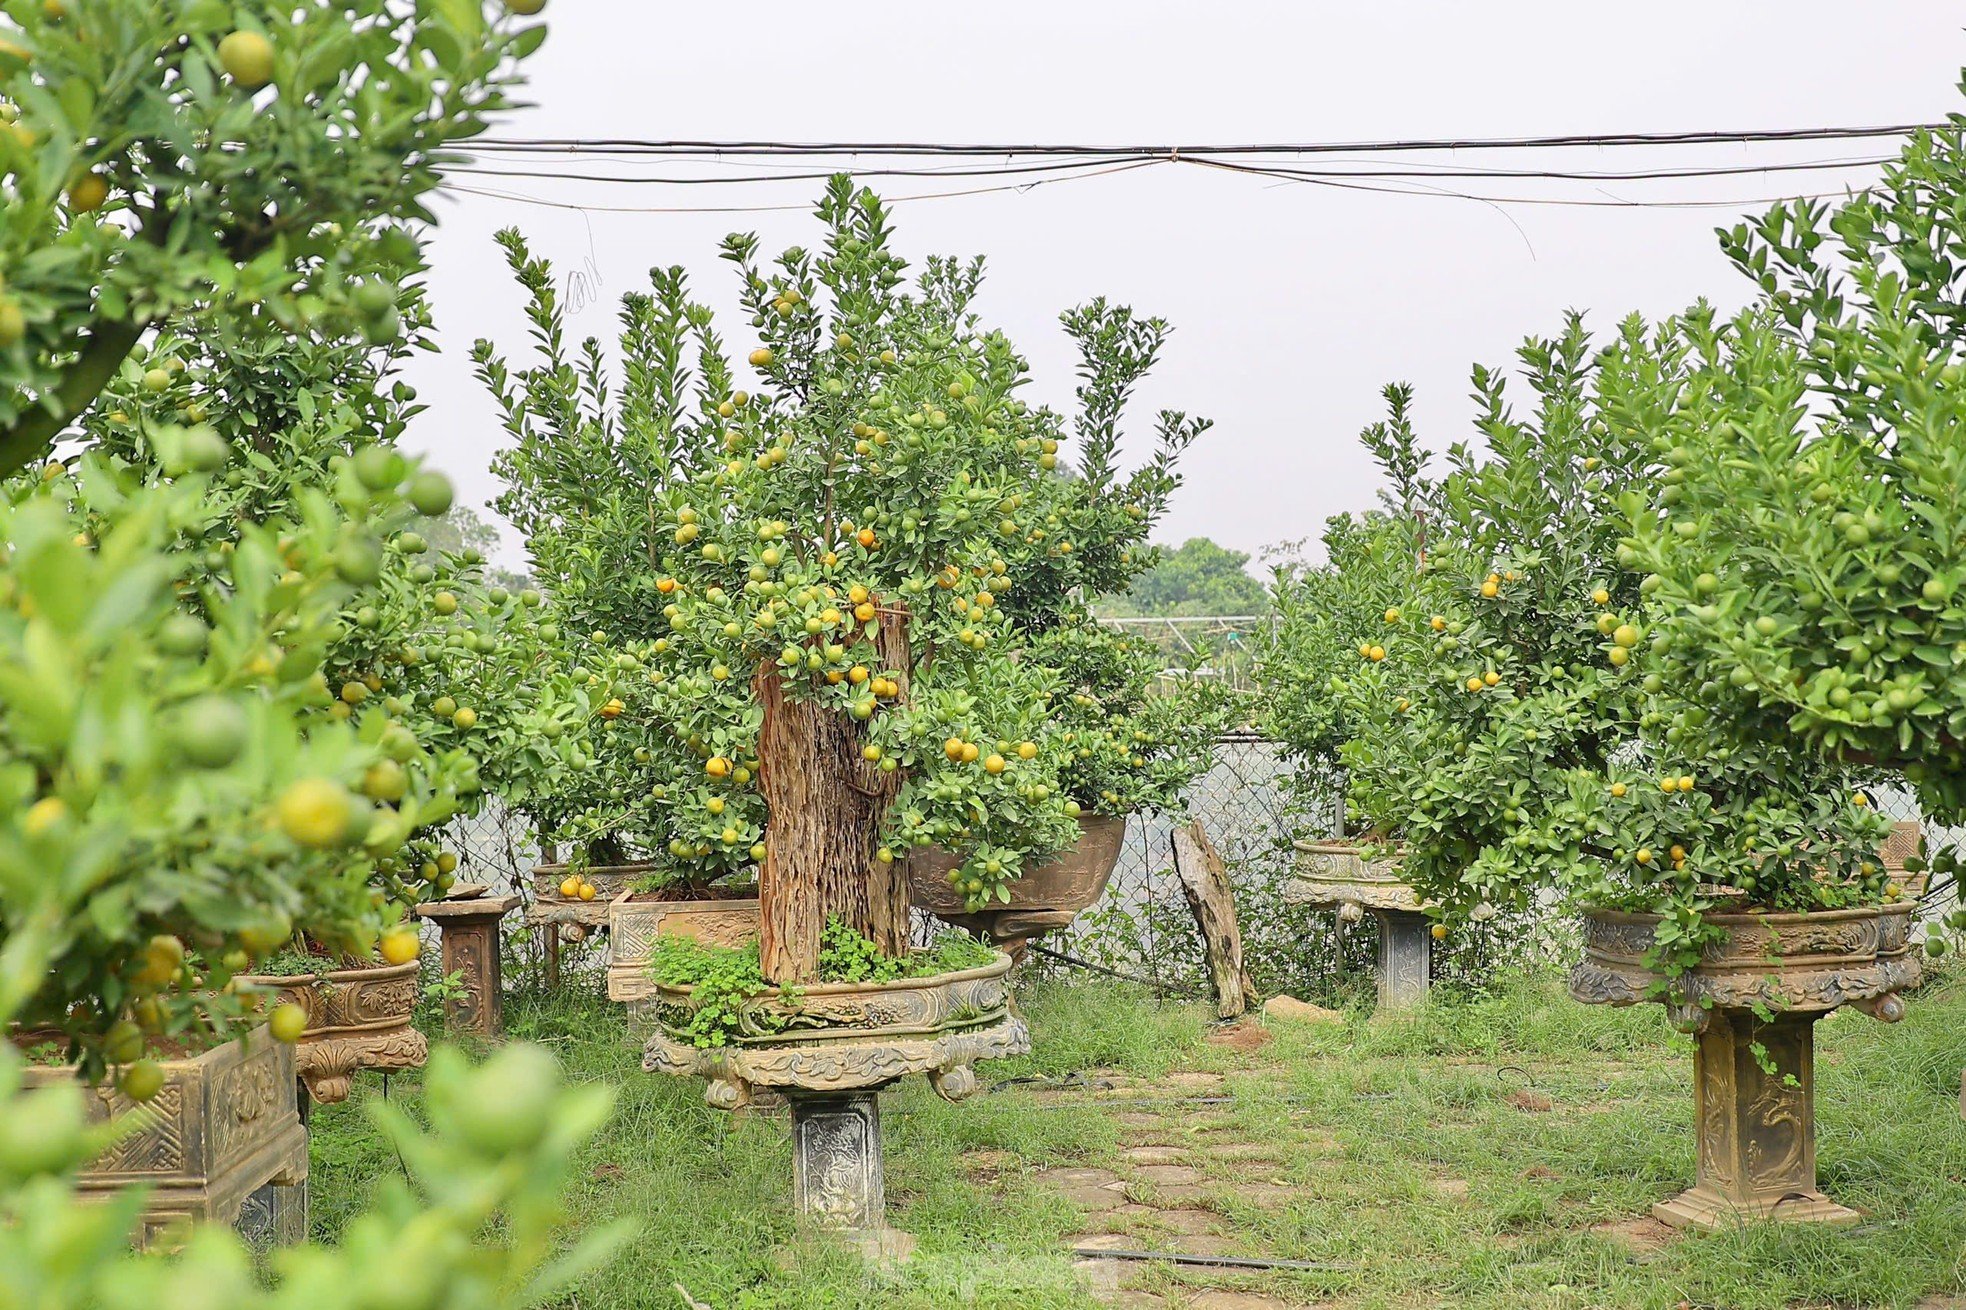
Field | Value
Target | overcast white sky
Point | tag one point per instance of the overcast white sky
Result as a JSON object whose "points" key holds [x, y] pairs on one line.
{"points": [[1292, 304]]}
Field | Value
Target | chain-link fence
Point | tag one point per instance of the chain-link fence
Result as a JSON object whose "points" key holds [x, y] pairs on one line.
{"points": [[1142, 926]]}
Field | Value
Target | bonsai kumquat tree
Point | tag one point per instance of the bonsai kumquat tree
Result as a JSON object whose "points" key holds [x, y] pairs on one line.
{"points": [[1540, 755], [832, 665]]}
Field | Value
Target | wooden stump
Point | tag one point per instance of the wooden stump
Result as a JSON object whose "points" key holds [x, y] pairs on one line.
{"points": [[1205, 883], [827, 806]]}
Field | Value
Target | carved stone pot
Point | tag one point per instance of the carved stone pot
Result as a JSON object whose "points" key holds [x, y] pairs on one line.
{"points": [[830, 1048], [634, 922], [1048, 897], [1357, 880], [357, 1018], [222, 1142], [1755, 1080]]}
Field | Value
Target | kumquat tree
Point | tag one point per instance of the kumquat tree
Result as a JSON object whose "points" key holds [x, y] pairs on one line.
{"points": [[815, 575]]}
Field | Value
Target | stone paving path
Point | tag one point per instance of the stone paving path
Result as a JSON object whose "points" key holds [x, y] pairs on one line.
{"points": [[1158, 1196]]}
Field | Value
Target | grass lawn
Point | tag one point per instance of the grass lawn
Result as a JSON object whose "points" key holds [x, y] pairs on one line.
{"points": [[1488, 1151]]}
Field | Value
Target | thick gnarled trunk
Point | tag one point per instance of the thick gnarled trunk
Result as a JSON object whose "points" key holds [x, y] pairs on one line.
{"points": [[827, 806]]}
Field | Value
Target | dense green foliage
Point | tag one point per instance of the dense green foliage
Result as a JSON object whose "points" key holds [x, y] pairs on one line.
{"points": [[1513, 737], [1808, 547]]}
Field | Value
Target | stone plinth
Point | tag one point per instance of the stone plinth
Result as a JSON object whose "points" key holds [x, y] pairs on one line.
{"points": [[469, 928], [1358, 880]]}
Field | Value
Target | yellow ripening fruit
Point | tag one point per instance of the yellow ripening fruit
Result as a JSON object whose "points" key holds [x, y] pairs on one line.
{"points": [[247, 58], [43, 815], [87, 193], [1392, 614], [993, 764], [315, 812], [1439, 932], [570, 886], [761, 357], [1618, 789], [401, 945], [288, 1021]]}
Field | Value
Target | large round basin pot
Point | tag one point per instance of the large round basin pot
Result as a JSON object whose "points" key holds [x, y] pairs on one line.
{"points": [[829, 1048], [358, 1018], [1049, 896], [1356, 879], [1754, 1076]]}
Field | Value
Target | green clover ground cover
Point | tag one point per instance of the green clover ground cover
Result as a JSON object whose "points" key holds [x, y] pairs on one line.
{"points": [[1494, 1151]]}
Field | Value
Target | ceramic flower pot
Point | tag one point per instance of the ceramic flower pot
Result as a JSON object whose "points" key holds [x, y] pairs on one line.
{"points": [[357, 1018], [1049, 896]]}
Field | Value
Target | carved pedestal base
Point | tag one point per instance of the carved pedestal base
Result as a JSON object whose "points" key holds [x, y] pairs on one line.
{"points": [[837, 1178], [469, 927], [829, 1049], [1757, 1129], [275, 1215], [1406, 952], [1756, 1126]]}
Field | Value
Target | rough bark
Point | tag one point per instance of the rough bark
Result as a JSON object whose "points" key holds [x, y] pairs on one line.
{"points": [[827, 806], [1205, 883]]}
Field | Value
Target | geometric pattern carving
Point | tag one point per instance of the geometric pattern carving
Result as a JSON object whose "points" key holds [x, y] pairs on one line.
{"points": [[156, 1145], [1755, 1080], [634, 925], [223, 1125]]}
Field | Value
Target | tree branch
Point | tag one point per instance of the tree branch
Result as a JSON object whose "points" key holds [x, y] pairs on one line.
{"points": [[101, 356]]}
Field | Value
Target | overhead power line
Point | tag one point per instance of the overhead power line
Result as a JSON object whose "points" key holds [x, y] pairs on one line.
{"points": [[1568, 140], [1027, 166]]}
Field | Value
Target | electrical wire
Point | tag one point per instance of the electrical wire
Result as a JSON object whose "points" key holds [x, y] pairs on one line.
{"points": [[1558, 141], [1465, 174]]}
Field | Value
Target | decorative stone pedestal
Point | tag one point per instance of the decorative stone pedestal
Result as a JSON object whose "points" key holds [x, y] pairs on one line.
{"points": [[469, 927], [837, 1175], [1757, 1154], [1342, 876], [1756, 1126], [1048, 897], [357, 1018], [830, 1051]]}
